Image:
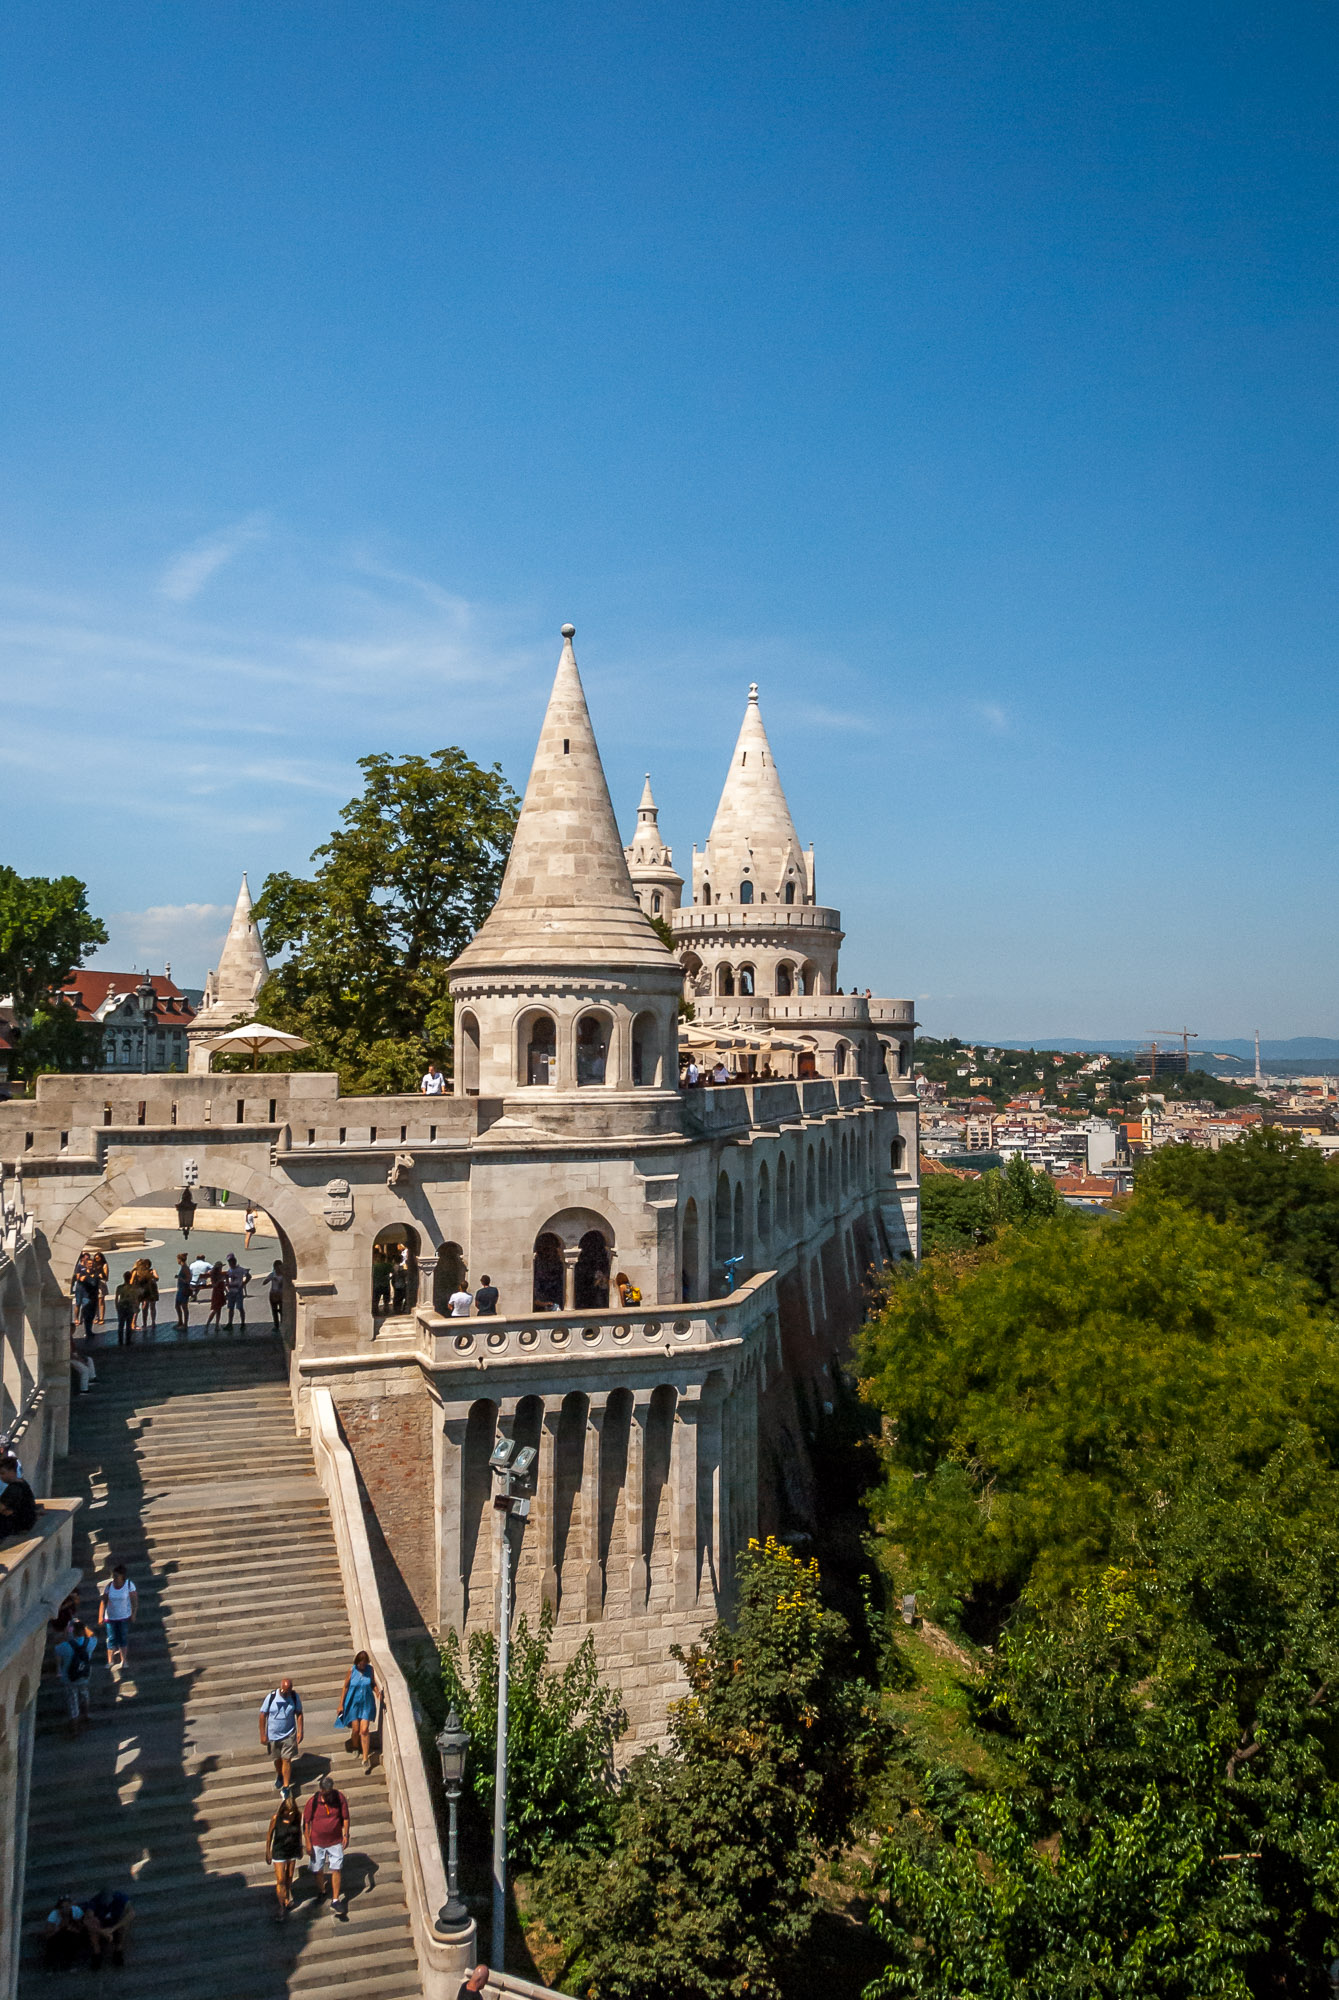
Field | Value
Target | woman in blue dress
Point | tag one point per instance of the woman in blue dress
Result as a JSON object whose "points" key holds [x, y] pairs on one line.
{"points": [[358, 1708]]}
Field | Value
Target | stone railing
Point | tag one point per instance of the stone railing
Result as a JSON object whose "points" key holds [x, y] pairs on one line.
{"points": [[645, 1329], [35, 1575], [444, 1957]]}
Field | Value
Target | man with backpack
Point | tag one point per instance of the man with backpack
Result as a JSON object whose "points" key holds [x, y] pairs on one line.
{"points": [[74, 1665], [325, 1833], [281, 1730]]}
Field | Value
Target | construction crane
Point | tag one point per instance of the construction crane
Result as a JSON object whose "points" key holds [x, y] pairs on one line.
{"points": [[1184, 1035]]}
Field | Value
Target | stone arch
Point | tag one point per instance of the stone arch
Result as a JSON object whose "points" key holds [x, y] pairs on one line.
{"points": [[690, 1262], [536, 1047], [746, 891], [746, 981], [790, 892], [810, 1179], [646, 1051], [764, 1203], [393, 1238], [785, 975], [448, 1277], [725, 982], [467, 1054], [302, 1235], [592, 1041], [807, 976], [724, 1237], [840, 1056], [549, 1280], [476, 1564], [898, 1155], [740, 1237]]}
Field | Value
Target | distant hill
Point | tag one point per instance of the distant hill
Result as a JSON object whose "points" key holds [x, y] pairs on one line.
{"points": [[1301, 1048]]}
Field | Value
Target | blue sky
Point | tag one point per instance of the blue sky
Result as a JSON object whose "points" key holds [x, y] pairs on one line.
{"points": [[965, 374]]}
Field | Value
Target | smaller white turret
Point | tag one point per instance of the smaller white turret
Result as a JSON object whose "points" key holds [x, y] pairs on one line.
{"points": [[232, 990], [657, 884]]}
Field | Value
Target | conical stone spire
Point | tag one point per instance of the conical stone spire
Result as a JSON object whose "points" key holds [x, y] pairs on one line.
{"points": [[232, 990], [566, 901], [753, 838], [657, 886]]}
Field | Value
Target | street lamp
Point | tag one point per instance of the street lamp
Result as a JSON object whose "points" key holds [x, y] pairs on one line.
{"points": [[452, 1745], [513, 1471], [185, 1212], [148, 1001]]}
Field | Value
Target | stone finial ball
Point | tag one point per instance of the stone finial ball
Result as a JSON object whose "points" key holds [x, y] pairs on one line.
{"points": [[569, 631]]}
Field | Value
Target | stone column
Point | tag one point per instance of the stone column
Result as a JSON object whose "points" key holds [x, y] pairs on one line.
{"points": [[544, 1509], [427, 1277], [571, 1258], [449, 1452], [639, 1568], [591, 1507], [683, 1500]]}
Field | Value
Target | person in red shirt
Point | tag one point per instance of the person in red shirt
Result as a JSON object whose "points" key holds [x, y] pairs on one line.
{"points": [[325, 1834]]}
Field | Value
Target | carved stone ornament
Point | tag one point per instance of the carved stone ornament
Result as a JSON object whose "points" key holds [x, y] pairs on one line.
{"points": [[401, 1171], [338, 1210]]}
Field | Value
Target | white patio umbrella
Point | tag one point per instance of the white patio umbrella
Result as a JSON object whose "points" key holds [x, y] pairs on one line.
{"points": [[259, 1040]]}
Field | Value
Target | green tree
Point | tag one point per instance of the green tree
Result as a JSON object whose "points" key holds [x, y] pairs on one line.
{"points": [[1175, 1726], [46, 931], [1269, 1182], [1034, 1391], [705, 1889], [402, 886], [961, 1214], [561, 1730]]}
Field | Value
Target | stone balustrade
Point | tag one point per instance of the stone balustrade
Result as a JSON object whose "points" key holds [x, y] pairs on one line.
{"points": [[545, 1337]]}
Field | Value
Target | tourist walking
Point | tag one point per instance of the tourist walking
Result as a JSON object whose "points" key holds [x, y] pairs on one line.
{"points": [[102, 1274], [236, 1279], [86, 1293], [145, 1281], [74, 1668], [126, 1308], [358, 1707], [399, 1278], [183, 1293], [274, 1287], [116, 1612], [249, 1219], [283, 1849], [325, 1828], [381, 1279], [281, 1730], [434, 1083], [218, 1292]]}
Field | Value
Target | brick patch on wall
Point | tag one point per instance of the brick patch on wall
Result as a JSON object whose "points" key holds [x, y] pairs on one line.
{"points": [[390, 1438]]}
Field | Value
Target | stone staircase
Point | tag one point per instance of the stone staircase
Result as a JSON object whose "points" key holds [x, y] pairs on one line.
{"points": [[192, 1475]]}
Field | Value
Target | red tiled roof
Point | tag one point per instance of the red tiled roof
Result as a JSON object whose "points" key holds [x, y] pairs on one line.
{"points": [[93, 987], [1095, 1186]]}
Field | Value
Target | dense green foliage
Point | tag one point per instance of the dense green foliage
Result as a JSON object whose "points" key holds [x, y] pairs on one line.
{"points": [[1178, 1829], [705, 1888], [969, 1069], [1284, 1192], [1036, 1391], [46, 931], [402, 886], [963, 1214], [561, 1730]]}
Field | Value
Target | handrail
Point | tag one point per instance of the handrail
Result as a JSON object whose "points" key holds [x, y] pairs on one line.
{"points": [[444, 1959], [10, 1437]]}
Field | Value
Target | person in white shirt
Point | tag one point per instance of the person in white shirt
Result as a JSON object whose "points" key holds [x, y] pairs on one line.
{"points": [[250, 1228], [460, 1304], [434, 1083], [116, 1612]]}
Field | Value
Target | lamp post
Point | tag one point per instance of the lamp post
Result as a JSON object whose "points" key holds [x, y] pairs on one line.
{"points": [[452, 1745], [513, 1471], [185, 1212], [148, 1000]]}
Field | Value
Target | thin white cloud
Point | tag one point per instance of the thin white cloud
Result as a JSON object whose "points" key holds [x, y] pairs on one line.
{"points": [[188, 573], [188, 936], [994, 717]]}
